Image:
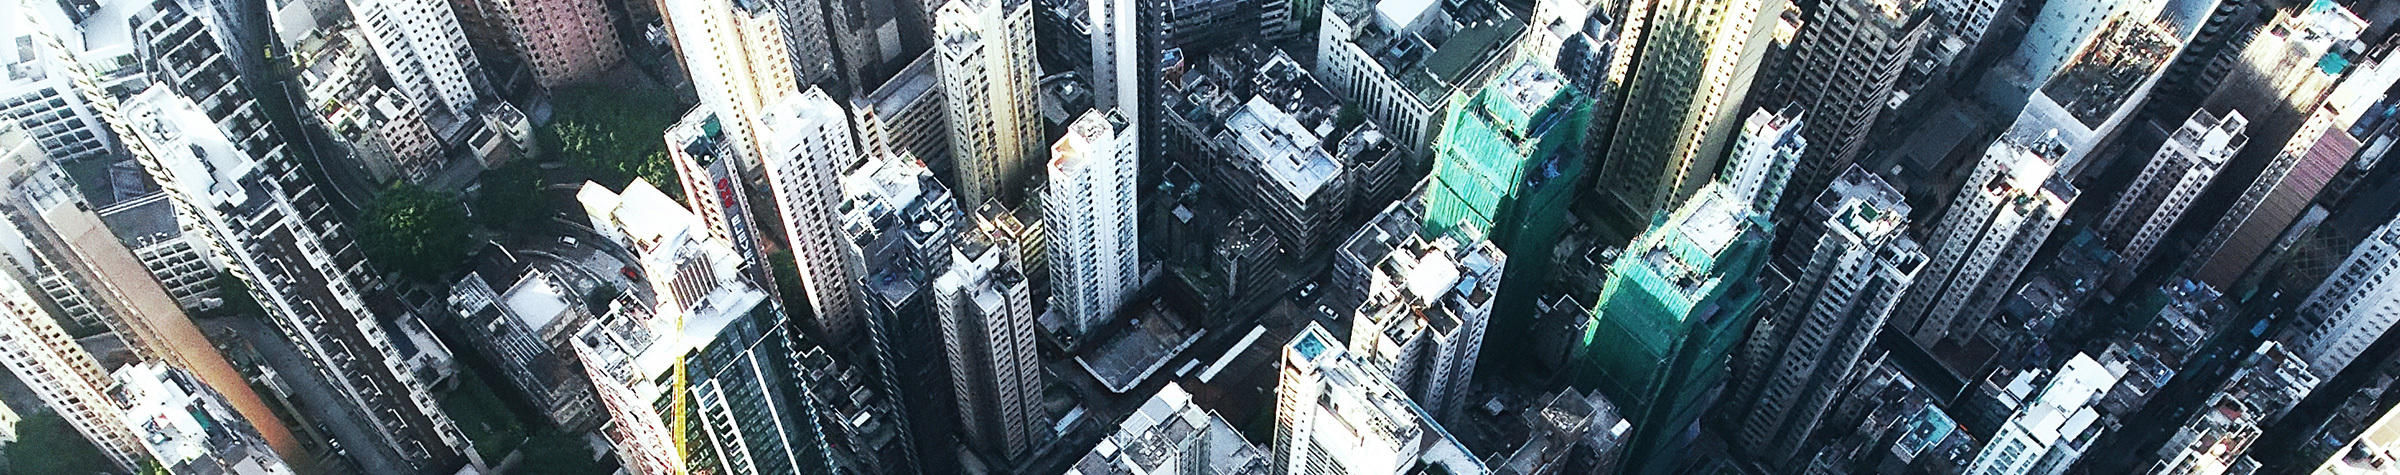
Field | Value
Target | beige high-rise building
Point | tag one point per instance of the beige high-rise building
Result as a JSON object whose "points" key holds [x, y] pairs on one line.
{"points": [[806, 144], [59, 371], [985, 51], [738, 62], [1682, 105]]}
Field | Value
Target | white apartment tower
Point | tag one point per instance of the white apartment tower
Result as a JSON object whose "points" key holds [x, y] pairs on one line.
{"points": [[1765, 156], [1999, 218], [805, 141], [1428, 304], [986, 58], [1804, 352], [2183, 166], [424, 49], [1089, 209], [60, 372], [1335, 415], [2353, 307], [738, 62], [986, 312]]}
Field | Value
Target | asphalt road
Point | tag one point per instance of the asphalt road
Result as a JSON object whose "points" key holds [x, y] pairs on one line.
{"points": [[316, 398]]}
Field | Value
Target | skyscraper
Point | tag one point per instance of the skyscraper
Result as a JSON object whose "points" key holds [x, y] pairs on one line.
{"points": [[986, 61], [986, 312], [704, 377], [712, 182], [805, 141], [271, 228], [1428, 303], [2000, 217], [1771, 148], [1510, 158], [1335, 415], [425, 50], [739, 64], [2353, 307], [1691, 72], [1669, 315], [1839, 73], [1089, 211], [2175, 176], [1805, 349]]}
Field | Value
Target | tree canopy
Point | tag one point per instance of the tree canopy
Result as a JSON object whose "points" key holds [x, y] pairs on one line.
{"points": [[614, 135], [418, 233], [512, 199]]}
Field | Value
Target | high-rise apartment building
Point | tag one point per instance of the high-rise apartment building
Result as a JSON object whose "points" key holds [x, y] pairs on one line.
{"points": [[1337, 415], [1839, 73], [739, 62], [806, 143], [271, 228], [1688, 80], [61, 373], [562, 40], [2302, 81], [1805, 349], [187, 428], [2175, 176], [712, 182], [2049, 432], [1400, 61], [424, 48], [988, 329], [1172, 435], [1508, 160], [2353, 307], [908, 115], [2000, 217], [1427, 306], [1669, 314], [986, 59], [706, 378], [1772, 148], [1088, 209]]}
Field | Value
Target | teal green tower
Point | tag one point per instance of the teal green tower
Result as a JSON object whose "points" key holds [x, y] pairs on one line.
{"points": [[1508, 161], [1675, 304]]}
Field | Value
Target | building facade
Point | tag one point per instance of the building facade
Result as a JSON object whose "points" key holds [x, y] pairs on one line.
{"points": [[988, 329], [2353, 307], [2011, 201], [1686, 85], [739, 62], [424, 48], [187, 428], [1805, 350], [1428, 305], [986, 59], [563, 40], [1088, 209], [806, 143], [2175, 176], [1840, 72], [1335, 415], [1380, 57]]}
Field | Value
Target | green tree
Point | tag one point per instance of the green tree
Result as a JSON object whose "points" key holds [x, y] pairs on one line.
{"points": [[236, 294], [613, 135], [46, 445], [551, 452], [419, 233], [512, 199]]}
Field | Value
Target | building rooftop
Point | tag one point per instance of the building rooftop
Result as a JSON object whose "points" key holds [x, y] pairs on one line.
{"points": [[1291, 154], [142, 221], [537, 300], [2113, 68], [1432, 47], [912, 83], [1530, 86]]}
